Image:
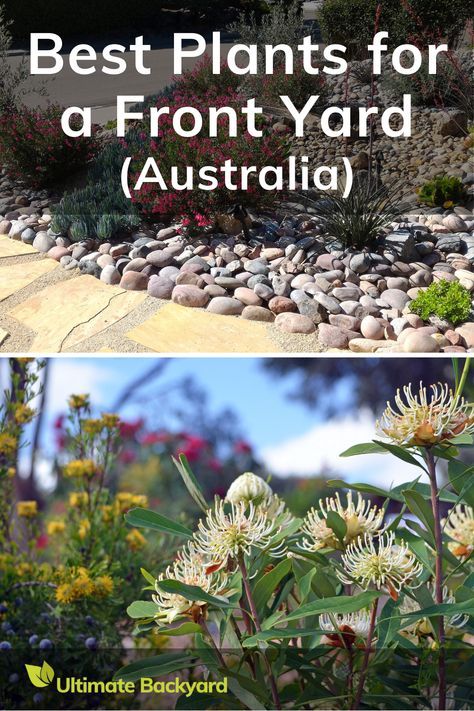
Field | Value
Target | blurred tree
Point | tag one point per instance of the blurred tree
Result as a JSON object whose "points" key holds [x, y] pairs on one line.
{"points": [[370, 381]]}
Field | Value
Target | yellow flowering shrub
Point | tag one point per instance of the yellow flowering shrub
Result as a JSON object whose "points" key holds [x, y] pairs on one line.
{"points": [[80, 468], [78, 499], [79, 402], [8, 444], [27, 509], [135, 540], [55, 527], [84, 528]]}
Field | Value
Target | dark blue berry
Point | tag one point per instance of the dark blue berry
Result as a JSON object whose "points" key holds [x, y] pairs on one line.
{"points": [[6, 626], [45, 616], [3, 608], [18, 601], [45, 645], [33, 639], [89, 620], [38, 698], [5, 646], [91, 644], [14, 678]]}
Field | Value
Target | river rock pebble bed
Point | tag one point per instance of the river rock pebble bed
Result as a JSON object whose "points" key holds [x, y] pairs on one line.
{"points": [[286, 273]]}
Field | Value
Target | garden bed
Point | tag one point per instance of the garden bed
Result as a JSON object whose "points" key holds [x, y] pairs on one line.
{"points": [[285, 273]]}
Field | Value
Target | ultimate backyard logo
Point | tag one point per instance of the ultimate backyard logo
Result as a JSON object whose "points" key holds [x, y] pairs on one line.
{"points": [[44, 676]]}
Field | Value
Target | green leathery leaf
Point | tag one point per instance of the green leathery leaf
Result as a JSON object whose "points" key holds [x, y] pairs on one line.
{"points": [[160, 665], [337, 524], [145, 518], [265, 587], [190, 481], [341, 604], [191, 592], [142, 608]]}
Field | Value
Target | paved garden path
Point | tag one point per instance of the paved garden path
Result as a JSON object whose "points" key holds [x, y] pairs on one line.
{"points": [[46, 309]]}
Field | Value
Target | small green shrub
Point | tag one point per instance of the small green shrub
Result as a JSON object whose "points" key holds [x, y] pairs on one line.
{"points": [[298, 86], [283, 24], [448, 300], [442, 191]]}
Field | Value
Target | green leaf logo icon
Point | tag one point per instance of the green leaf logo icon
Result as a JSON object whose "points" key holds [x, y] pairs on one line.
{"points": [[40, 676]]}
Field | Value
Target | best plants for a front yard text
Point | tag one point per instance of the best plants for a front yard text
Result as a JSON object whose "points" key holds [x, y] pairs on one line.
{"points": [[355, 605]]}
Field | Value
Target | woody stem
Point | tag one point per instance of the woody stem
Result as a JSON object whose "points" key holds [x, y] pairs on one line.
{"points": [[365, 661], [256, 621], [431, 464], [218, 652]]}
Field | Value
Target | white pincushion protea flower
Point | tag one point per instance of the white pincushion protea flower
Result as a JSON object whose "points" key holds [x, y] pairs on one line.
{"points": [[228, 535], [459, 526], [387, 565], [360, 517], [343, 630], [422, 420], [423, 627], [189, 568], [251, 488], [248, 487]]}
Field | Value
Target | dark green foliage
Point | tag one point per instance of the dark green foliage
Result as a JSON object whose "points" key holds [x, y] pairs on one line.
{"points": [[356, 221], [72, 19], [443, 191], [449, 300], [352, 22]]}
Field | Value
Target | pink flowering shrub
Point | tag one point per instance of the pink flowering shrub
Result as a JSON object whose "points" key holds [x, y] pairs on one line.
{"points": [[36, 150], [197, 207], [201, 79]]}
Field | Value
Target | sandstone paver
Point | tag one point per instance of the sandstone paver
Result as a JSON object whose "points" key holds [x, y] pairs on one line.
{"points": [[17, 276], [13, 248], [177, 329], [73, 312]]}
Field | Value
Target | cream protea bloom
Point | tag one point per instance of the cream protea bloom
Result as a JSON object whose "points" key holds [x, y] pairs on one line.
{"points": [[251, 488], [459, 526], [423, 420], [343, 630], [248, 487], [228, 535], [423, 627], [360, 517], [189, 568], [386, 565]]}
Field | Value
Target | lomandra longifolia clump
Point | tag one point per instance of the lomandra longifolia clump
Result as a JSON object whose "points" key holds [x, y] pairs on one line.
{"points": [[360, 604]]}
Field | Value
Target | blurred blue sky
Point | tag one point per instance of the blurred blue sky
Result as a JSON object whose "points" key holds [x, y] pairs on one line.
{"points": [[288, 437]]}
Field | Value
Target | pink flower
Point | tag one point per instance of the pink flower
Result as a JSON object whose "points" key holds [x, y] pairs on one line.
{"points": [[242, 447]]}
